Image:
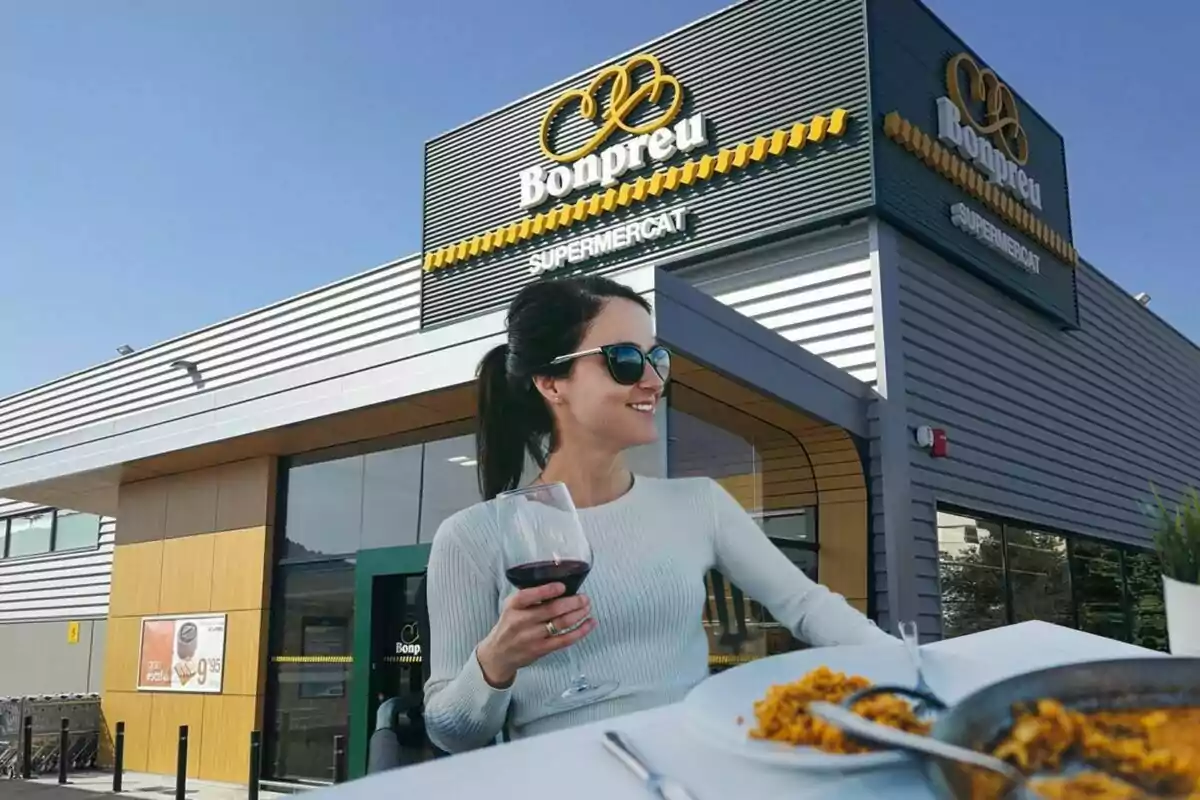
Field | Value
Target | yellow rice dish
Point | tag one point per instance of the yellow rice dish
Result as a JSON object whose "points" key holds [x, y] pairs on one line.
{"points": [[1131, 755], [782, 715]]}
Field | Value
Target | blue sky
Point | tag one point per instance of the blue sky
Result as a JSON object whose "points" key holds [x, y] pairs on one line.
{"points": [[165, 165]]}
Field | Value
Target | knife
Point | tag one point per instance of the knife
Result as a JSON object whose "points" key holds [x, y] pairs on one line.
{"points": [[664, 787]]}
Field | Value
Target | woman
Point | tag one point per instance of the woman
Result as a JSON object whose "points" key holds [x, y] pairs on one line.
{"points": [[560, 393]]}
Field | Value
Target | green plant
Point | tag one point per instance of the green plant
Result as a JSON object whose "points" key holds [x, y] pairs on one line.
{"points": [[1177, 536]]}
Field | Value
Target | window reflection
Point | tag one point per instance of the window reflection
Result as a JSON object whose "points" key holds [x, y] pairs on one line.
{"points": [[971, 571], [29, 536], [310, 667], [391, 498], [1039, 577], [450, 482], [1148, 615], [1096, 580], [767, 471], [324, 509], [76, 531], [995, 573]]}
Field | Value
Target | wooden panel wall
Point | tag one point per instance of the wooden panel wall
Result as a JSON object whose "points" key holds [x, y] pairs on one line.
{"points": [[191, 543]]}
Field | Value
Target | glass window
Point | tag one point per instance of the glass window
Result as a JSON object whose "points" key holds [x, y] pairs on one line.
{"points": [[971, 571], [1098, 589], [450, 483], [76, 531], [391, 497], [324, 509], [3, 537], [767, 471], [798, 526], [30, 535], [1039, 576], [312, 632], [1148, 615], [993, 573]]}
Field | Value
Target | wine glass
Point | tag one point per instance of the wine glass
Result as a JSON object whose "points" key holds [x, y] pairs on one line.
{"points": [[544, 543]]}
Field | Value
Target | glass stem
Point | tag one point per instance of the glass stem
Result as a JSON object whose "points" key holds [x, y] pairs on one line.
{"points": [[578, 680]]}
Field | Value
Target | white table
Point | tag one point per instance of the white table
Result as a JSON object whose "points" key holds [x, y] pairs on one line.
{"points": [[573, 764]]}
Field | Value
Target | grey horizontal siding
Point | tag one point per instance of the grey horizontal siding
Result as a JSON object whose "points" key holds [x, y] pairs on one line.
{"points": [[372, 307], [815, 291], [1066, 430], [750, 69], [73, 584]]}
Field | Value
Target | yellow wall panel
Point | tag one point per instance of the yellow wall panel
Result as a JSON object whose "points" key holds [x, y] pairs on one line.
{"points": [[239, 569], [134, 710], [842, 558], [187, 574], [121, 654], [168, 712], [225, 752], [243, 653], [137, 569]]}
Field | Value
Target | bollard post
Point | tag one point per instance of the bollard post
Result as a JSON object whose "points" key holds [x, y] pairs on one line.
{"points": [[27, 749], [181, 764], [255, 764], [64, 749], [119, 758], [339, 759]]}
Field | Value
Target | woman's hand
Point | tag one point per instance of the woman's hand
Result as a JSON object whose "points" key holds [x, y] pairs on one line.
{"points": [[521, 635]]}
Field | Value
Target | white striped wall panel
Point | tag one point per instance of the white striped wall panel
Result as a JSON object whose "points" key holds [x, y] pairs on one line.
{"points": [[816, 292], [378, 305], [67, 585]]}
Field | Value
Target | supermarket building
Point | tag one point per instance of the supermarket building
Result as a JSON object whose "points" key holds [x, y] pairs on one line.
{"points": [[857, 239]]}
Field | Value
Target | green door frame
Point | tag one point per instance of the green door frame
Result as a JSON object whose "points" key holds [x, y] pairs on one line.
{"points": [[369, 565]]}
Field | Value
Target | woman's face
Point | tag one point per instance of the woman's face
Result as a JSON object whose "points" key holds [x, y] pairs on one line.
{"points": [[590, 406]]}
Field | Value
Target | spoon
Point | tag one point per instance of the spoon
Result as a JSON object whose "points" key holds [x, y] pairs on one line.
{"points": [[862, 728]]}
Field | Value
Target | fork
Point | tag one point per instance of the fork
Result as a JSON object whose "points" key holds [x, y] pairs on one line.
{"points": [[908, 632]]}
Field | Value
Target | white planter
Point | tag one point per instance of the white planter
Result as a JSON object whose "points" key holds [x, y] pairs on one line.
{"points": [[1183, 616]]}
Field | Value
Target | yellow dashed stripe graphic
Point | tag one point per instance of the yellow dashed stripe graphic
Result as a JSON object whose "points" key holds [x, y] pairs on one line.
{"points": [[688, 173], [312, 659], [948, 164]]}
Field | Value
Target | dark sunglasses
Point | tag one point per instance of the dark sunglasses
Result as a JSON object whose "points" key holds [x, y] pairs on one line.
{"points": [[627, 362]]}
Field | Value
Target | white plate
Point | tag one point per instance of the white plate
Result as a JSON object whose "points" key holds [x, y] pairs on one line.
{"points": [[713, 707]]}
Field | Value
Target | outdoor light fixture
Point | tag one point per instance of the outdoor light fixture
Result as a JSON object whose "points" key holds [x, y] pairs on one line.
{"points": [[125, 350], [1142, 298]]}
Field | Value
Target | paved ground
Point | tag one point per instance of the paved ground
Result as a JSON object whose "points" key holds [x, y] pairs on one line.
{"points": [[31, 790], [96, 785]]}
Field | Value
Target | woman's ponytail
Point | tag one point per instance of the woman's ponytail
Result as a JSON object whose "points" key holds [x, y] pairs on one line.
{"points": [[501, 432]]}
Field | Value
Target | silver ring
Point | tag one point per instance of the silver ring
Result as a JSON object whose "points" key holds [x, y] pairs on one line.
{"points": [[550, 629]]}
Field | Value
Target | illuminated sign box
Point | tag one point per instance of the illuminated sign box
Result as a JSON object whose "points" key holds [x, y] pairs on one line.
{"points": [[755, 137], [758, 136]]}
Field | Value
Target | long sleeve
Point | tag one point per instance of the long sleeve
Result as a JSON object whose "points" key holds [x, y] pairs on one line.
{"points": [[462, 710], [812, 612]]}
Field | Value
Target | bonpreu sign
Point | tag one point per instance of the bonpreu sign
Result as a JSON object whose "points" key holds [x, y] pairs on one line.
{"points": [[757, 121], [965, 165], [657, 155]]}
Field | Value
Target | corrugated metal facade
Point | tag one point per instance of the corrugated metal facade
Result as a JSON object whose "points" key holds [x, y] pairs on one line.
{"points": [[68, 585], [1061, 429], [815, 291], [910, 49], [372, 307], [750, 69]]}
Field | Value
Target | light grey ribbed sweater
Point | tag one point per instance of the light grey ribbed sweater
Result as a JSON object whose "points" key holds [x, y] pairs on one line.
{"points": [[651, 549]]}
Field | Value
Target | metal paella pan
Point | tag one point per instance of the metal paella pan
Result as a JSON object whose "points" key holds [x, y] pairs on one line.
{"points": [[984, 719]]}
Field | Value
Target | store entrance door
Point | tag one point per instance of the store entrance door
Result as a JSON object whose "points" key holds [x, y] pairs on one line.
{"points": [[390, 660]]}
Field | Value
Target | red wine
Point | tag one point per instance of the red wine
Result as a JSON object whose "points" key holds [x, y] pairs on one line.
{"points": [[539, 573]]}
